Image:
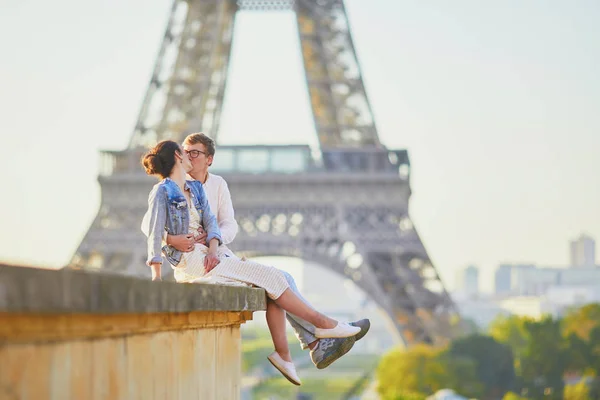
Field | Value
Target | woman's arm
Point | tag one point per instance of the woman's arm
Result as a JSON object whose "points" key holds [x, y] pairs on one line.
{"points": [[154, 223], [212, 259]]}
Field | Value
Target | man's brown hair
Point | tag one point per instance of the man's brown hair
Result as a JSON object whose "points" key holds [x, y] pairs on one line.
{"points": [[196, 138]]}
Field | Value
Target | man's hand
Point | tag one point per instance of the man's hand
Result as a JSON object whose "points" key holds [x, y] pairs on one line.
{"points": [[183, 243], [210, 261], [201, 236]]}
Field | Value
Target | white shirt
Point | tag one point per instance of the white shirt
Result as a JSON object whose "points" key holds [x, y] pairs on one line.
{"points": [[219, 200]]}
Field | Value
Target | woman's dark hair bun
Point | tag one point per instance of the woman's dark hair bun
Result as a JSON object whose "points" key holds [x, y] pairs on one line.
{"points": [[160, 160], [152, 163]]}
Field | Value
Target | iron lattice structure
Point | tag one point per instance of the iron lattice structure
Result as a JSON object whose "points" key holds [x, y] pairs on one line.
{"points": [[344, 206]]}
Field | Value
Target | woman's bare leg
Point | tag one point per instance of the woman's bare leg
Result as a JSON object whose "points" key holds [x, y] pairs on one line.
{"points": [[291, 303], [276, 323]]}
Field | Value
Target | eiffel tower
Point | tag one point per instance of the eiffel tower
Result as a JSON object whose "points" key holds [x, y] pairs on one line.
{"points": [[343, 205]]}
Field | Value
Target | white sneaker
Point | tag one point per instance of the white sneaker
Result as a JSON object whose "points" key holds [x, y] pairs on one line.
{"points": [[341, 330], [286, 368]]}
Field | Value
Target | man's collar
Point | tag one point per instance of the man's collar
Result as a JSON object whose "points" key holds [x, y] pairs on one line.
{"points": [[191, 178]]}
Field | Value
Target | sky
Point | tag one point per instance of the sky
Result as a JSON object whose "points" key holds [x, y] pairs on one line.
{"points": [[497, 103]]}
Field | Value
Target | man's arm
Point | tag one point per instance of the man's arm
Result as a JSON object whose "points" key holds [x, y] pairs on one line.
{"points": [[225, 214]]}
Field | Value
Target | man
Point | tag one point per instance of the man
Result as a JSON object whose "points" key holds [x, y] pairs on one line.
{"points": [[201, 150]]}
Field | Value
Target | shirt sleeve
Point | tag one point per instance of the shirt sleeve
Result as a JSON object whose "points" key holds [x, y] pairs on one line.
{"points": [[209, 220], [227, 223]]}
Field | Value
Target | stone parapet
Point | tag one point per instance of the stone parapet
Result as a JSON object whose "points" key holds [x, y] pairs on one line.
{"points": [[78, 335]]}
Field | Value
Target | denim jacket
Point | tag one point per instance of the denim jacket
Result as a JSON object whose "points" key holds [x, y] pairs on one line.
{"points": [[168, 210]]}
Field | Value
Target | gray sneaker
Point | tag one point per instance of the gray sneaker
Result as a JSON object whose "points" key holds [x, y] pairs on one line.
{"points": [[329, 350], [364, 325]]}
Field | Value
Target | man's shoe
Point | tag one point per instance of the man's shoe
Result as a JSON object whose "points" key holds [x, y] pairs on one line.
{"points": [[329, 350], [341, 330], [364, 325]]}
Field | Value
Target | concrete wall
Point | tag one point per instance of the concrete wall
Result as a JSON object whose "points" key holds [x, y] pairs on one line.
{"points": [[77, 335]]}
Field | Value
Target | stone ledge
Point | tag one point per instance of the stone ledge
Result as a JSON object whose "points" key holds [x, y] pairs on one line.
{"points": [[41, 291]]}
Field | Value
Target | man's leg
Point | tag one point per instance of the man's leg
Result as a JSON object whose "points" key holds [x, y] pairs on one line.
{"points": [[323, 352], [304, 330]]}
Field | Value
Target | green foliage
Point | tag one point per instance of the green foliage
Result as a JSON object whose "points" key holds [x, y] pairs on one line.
{"points": [[582, 321], [462, 375], [544, 360], [493, 362], [511, 330], [422, 370], [578, 391], [319, 389], [255, 351], [578, 353], [403, 395], [581, 330], [513, 396], [521, 356]]}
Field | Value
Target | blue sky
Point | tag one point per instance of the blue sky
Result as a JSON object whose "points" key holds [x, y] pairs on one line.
{"points": [[497, 103]]}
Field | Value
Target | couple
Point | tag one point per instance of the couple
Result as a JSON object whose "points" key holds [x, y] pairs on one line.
{"points": [[193, 240]]}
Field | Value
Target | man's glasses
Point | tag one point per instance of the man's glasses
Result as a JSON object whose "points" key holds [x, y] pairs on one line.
{"points": [[194, 153]]}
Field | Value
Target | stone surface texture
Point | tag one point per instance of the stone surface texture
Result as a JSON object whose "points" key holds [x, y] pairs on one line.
{"points": [[33, 290]]}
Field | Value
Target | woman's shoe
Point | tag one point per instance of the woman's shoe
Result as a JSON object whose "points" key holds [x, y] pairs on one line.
{"points": [[341, 330], [286, 368]]}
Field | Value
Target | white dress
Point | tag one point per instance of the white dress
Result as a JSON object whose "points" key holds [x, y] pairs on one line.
{"points": [[229, 269]]}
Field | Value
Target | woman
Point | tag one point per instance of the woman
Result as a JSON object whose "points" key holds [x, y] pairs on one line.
{"points": [[179, 206]]}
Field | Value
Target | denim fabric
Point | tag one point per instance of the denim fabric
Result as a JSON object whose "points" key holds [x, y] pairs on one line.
{"points": [[168, 210]]}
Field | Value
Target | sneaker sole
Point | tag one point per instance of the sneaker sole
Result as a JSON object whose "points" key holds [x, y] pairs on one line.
{"points": [[343, 349], [363, 332]]}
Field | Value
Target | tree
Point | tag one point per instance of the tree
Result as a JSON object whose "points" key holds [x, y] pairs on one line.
{"points": [[594, 351], [544, 360], [511, 330], [581, 321], [581, 328], [579, 354], [461, 375], [422, 370], [578, 391], [494, 363], [513, 396]]}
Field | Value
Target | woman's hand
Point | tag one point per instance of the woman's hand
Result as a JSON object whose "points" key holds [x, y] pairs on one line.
{"points": [[210, 261], [201, 236], [183, 242], [156, 275]]}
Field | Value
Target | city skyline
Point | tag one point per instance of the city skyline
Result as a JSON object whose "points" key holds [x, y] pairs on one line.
{"points": [[501, 128]]}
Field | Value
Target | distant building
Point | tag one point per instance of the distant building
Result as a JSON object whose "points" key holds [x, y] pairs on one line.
{"points": [[468, 281], [529, 280], [502, 279], [482, 310], [534, 281], [581, 276], [557, 301], [506, 277], [561, 298], [583, 252]]}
